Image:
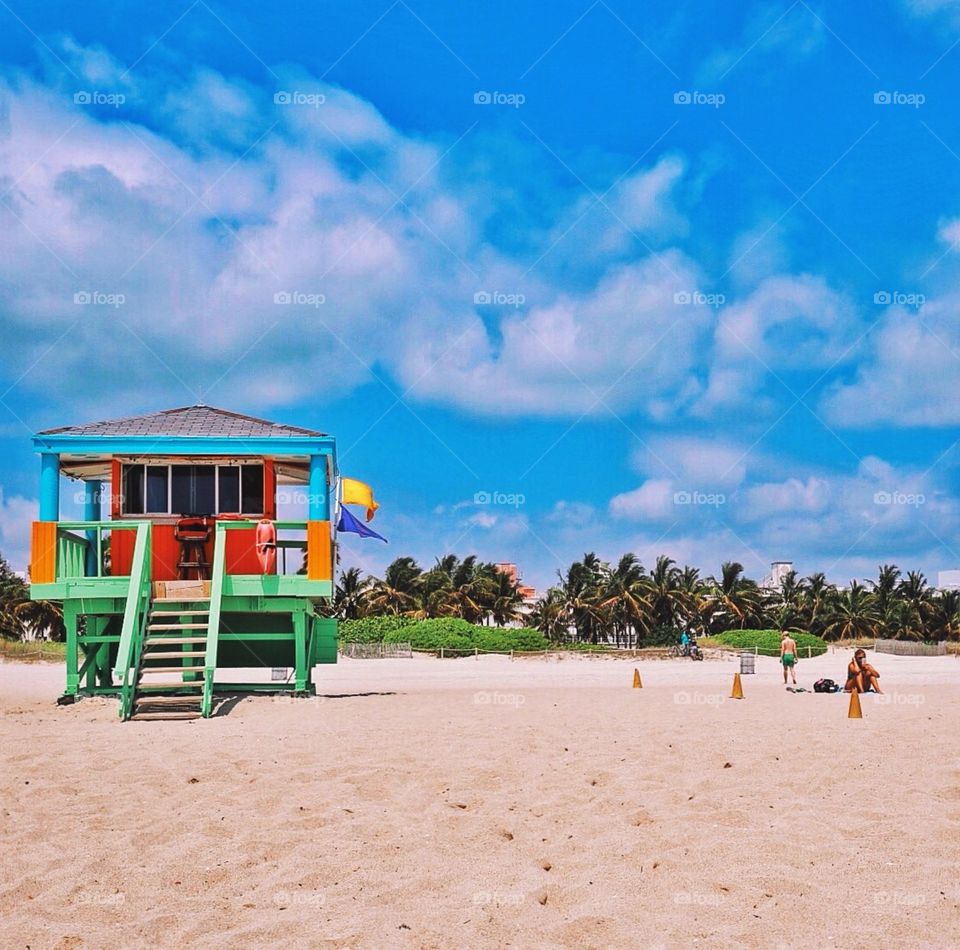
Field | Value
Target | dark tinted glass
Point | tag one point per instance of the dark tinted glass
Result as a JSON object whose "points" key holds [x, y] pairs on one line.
{"points": [[157, 488], [229, 489], [252, 482], [204, 491], [180, 501], [132, 490]]}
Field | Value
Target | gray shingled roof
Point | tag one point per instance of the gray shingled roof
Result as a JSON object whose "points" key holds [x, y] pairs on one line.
{"points": [[189, 421]]}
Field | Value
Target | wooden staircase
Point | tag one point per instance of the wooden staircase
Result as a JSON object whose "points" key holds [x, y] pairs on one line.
{"points": [[175, 644]]}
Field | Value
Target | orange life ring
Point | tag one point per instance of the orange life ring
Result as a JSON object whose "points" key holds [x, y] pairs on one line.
{"points": [[267, 545]]}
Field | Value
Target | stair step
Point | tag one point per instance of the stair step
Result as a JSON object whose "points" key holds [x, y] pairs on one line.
{"points": [[148, 716], [172, 655], [181, 600], [170, 684], [177, 626], [171, 669], [178, 612], [153, 641], [166, 701]]}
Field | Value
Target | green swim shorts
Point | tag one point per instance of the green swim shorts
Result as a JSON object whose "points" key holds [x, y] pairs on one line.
{"points": [[788, 659]]}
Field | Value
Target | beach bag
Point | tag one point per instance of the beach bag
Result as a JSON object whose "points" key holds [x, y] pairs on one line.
{"points": [[826, 686]]}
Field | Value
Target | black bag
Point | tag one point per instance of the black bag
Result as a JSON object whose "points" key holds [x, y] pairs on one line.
{"points": [[826, 686]]}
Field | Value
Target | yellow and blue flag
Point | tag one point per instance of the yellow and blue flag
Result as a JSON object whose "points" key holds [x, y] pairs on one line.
{"points": [[348, 523], [353, 492]]}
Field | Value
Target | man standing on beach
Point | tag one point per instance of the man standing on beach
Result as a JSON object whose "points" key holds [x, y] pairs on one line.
{"points": [[788, 657]]}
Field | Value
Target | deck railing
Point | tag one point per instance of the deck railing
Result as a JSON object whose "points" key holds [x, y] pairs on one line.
{"points": [[135, 614]]}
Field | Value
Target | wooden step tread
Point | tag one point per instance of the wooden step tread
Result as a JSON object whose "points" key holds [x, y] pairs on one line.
{"points": [[181, 600], [172, 669], [166, 701], [153, 641], [177, 626], [173, 656], [147, 716], [171, 684], [178, 613]]}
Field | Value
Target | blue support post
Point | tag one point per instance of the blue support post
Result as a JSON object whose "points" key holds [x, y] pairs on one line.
{"points": [[91, 512], [319, 494], [49, 486]]}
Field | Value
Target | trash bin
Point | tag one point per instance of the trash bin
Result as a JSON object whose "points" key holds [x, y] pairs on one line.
{"points": [[748, 663]]}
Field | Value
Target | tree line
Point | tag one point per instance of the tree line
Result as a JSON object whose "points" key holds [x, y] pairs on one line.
{"points": [[595, 602], [627, 605]]}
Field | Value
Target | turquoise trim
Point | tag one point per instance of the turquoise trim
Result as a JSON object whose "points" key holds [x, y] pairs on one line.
{"points": [[182, 445], [49, 487], [318, 494]]}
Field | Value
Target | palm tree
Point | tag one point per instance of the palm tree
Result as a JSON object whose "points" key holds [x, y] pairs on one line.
{"points": [[351, 594], [944, 616], [854, 616], [398, 592], [549, 615], [732, 600], [626, 602], [582, 588]]}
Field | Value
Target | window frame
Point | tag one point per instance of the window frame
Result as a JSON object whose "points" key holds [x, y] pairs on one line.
{"points": [[125, 468]]}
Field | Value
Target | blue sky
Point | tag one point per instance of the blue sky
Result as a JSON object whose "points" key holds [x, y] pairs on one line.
{"points": [[681, 281]]}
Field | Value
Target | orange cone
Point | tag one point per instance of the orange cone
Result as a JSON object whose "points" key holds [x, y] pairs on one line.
{"points": [[636, 679], [854, 712], [737, 691]]}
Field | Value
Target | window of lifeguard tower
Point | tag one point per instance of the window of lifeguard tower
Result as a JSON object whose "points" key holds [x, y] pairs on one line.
{"points": [[204, 489]]}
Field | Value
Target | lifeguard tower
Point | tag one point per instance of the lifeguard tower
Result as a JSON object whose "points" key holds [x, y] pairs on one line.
{"points": [[169, 594]]}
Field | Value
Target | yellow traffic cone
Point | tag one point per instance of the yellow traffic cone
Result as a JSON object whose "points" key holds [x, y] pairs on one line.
{"points": [[737, 691], [636, 679], [854, 712]]}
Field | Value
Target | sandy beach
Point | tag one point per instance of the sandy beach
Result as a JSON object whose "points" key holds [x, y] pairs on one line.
{"points": [[484, 802]]}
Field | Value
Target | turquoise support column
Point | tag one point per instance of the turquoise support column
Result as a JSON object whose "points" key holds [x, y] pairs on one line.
{"points": [[49, 486], [91, 512], [319, 496]]}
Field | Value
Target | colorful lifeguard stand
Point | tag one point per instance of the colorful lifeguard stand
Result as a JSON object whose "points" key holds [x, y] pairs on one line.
{"points": [[169, 592]]}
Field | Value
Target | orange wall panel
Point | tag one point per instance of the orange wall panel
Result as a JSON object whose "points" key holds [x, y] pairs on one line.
{"points": [[43, 552], [319, 551]]}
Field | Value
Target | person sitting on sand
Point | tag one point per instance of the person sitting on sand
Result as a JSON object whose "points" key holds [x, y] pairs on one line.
{"points": [[861, 676], [788, 657]]}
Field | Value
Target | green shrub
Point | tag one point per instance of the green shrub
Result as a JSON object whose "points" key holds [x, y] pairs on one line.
{"points": [[370, 629], [767, 642], [451, 633]]}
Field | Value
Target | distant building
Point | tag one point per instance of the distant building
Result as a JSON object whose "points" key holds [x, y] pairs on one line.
{"points": [[948, 580], [778, 572], [529, 594]]}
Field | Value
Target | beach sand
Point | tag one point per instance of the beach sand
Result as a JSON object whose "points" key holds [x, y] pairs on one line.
{"points": [[487, 803]]}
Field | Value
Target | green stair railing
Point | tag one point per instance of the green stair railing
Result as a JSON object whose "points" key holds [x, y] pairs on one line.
{"points": [[213, 619], [135, 614]]}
